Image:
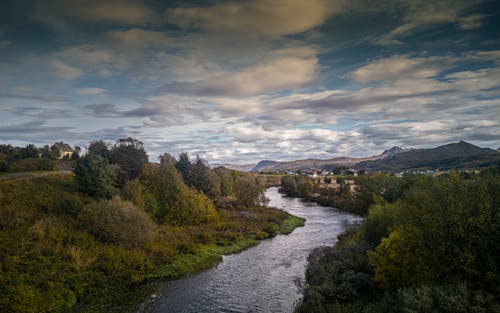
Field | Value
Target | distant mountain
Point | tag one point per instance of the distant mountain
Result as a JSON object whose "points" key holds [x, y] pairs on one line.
{"points": [[454, 155], [264, 164], [392, 151], [237, 167], [323, 164]]}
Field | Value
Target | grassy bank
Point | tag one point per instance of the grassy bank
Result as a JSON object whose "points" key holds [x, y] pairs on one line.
{"points": [[290, 223], [54, 258]]}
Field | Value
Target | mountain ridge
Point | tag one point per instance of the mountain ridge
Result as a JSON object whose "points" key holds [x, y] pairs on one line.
{"points": [[453, 155]]}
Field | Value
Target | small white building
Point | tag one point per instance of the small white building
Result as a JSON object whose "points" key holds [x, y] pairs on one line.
{"points": [[65, 151]]}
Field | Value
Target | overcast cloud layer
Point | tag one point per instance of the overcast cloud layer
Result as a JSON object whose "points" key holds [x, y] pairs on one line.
{"points": [[241, 81]]}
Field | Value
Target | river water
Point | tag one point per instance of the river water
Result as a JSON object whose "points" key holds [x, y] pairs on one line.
{"points": [[265, 278]]}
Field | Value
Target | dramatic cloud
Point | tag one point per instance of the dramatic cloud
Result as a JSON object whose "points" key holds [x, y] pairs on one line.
{"points": [[61, 14], [286, 69], [241, 81], [258, 17]]}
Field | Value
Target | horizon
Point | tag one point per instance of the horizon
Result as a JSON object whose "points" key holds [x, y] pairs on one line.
{"points": [[236, 82], [257, 161]]}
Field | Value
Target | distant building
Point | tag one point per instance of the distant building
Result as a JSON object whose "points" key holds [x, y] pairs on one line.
{"points": [[65, 151]]}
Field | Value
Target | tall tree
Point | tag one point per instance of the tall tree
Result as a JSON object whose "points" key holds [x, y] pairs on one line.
{"points": [[129, 154], [95, 177], [101, 148], [185, 167]]}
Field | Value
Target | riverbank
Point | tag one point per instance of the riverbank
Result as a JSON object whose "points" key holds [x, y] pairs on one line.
{"points": [[207, 257], [266, 277]]}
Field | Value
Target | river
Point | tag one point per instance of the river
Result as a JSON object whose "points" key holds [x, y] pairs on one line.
{"points": [[265, 278]]}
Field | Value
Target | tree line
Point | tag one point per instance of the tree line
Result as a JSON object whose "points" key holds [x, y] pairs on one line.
{"points": [[356, 200], [30, 158]]}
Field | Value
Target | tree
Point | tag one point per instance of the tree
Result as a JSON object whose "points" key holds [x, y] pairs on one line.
{"points": [[101, 148], [184, 167], [95, 177], [249, 192], [289, 185], [226, 181], [30, 151], [204, 179], [177, 203], [129, 154], [76, 154]]}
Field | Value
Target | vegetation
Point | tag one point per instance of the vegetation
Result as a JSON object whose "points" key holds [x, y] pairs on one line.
{"points": [[428, 244], [92, 242], [384, 186]]}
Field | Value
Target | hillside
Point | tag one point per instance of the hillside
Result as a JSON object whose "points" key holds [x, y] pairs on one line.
{"points": [[454, 155]]}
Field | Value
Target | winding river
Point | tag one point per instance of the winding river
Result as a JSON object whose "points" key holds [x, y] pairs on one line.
{"points": [[265, 278]]}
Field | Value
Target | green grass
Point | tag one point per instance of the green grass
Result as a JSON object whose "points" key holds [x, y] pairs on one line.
{"points": [[290, 223]]}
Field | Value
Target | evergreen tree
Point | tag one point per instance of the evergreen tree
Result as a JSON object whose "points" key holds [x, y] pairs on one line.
{"points": [[130, 156], [95, 177]]}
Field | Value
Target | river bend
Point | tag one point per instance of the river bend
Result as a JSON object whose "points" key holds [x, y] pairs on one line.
{"points": [[265, 278]]}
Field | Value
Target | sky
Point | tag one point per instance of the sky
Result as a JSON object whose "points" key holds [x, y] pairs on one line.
{"points": [[241, 81]]}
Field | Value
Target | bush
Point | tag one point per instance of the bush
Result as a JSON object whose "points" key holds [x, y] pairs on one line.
{"points": [[119, 222]]}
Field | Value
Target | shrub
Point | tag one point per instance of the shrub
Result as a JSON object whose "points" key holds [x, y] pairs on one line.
{"points": [[119, 222]]}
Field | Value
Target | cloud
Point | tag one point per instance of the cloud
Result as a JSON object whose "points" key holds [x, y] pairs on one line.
{"points": [[91, 91], [65, 71], [424, 14], [138, 37], [258, 17], [41, 98], [286, 69], [88, 54], [62, 14], [471, 21], [401, 67], [32, 132]]}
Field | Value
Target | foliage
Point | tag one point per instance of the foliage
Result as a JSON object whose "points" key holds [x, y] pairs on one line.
{"points": [[176, 202], [130, 156], [100, 148], [62, 250], [249, 191], [25, 159], [430, 243], [119, 222], [95, 177]]}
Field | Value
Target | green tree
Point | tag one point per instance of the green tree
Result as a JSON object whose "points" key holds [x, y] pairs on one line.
{"points": [[249, 191], [101, 148], [130, 156], [177, 203], [289, 185], [95, 177], [184, 166]]}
